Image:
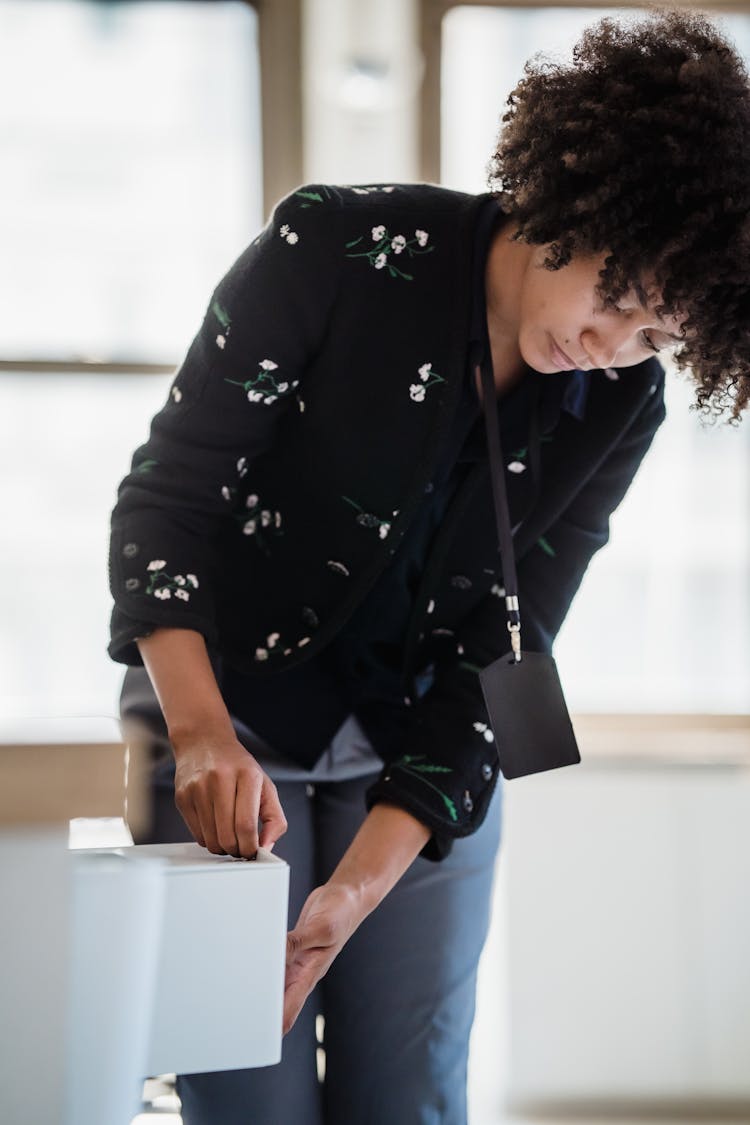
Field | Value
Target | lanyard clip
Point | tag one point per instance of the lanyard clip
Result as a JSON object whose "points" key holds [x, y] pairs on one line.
{"points": [[514, 625]]}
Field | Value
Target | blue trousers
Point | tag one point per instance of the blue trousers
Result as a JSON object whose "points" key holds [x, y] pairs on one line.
{"points": [[398, 1001]]}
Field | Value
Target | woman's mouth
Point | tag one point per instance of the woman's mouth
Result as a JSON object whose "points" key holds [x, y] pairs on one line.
{"points": [[559, 356]]}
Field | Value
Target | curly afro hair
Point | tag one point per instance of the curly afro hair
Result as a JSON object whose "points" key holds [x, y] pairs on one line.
{"points": [[641, 148]]}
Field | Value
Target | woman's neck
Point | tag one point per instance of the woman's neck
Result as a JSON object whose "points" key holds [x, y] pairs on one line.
{"points": [[507, 262]]}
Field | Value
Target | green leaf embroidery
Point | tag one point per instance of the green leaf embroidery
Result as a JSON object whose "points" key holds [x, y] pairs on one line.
{"points": [[433, 769], [450, 807], [546, 547], [469, 667], [407, 764], [221, 314], [146, 466], [314, 196], [353, 243]]}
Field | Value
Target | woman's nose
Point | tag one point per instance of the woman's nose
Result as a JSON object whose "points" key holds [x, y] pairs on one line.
{"points": [[602, 347]]}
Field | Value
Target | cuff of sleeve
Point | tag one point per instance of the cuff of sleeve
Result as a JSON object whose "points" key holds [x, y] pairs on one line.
{"points": [[124, 631], [448, 819]]}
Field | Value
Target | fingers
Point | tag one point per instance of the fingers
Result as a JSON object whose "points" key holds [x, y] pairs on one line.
{"points": [[189, 814], [294, 999], [271, 813], [222, 802], [246, 808], [304, 969], [214, 801]]}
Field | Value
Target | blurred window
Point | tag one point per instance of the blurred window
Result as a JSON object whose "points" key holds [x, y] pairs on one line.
{"points": [[131, 171], [131, 181], [663, 619]]}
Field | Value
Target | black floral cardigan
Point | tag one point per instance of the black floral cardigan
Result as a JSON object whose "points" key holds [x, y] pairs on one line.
{"points": [[328, 366]]}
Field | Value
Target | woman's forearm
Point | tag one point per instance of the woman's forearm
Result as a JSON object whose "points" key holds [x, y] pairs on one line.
{"points": [[180, 670], [386, 844]]}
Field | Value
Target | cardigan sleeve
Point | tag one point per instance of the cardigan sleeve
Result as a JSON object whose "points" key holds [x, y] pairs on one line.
{"points": [[448, 771], [267, 317]]}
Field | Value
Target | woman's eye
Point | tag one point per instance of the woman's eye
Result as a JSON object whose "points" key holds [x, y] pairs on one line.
{"points": [[649, 342]]}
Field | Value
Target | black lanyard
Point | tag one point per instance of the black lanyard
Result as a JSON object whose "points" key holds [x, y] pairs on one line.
{"points": [[500, 495]]}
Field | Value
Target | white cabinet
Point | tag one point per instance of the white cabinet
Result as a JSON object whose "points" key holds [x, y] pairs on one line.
{"points": [[626, 899]]}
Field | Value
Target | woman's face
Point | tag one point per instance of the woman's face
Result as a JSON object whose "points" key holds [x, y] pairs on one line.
{"points": [[563, 323]]}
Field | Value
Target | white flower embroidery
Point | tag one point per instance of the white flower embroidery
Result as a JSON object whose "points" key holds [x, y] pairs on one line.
{"points": [[265, 518], [360, 190], [251, 501], [262, 387], [338, 567], [163, 593], [428, 379], [157, 564], [498, 591], [249, 528], [193, 581], [183, 594], [179, 580], [284, 231], [277, 519], [261, 654], [484, 730], [303, 642], [383, 530], [221, 341], [242, 466], [225, 492], [516, 467], [177, 394], [282, 387], [431, 606], [387, 248], [421, 236], [611, 374], [272, 638], [292, 237], [460, 649], [301, 405]]}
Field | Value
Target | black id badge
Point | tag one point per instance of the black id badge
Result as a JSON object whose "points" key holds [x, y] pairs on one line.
{"points": [[528, 714]]}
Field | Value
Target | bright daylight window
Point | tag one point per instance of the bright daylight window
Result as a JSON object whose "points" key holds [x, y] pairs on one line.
{"points": [[131, 181], [663, 619]]}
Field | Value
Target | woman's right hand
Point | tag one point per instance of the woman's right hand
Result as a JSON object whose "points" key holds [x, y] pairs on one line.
{"points": [[221, 791]]}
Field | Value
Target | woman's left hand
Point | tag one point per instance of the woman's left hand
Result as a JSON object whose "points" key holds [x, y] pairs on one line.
{"points": [[386, 843], [328, 919]]}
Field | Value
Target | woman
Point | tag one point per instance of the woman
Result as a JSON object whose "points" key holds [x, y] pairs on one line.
{"points": [[304, 555]]}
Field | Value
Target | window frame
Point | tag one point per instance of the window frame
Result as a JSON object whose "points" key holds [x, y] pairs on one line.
{"points": [[280, 58], [430, 15], [606, 735]]}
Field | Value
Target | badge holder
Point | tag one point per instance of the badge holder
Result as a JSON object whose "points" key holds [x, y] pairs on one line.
{"points": [[525, 702]]}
